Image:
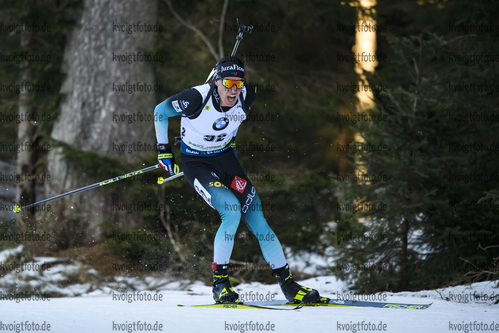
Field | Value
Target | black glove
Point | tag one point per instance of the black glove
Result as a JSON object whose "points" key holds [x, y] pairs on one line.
{"points": [[166, 159]]}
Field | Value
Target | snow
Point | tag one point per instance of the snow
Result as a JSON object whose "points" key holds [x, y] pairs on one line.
{"points": [[308, 262], [149, 304], [4, 255], [98, 313]]}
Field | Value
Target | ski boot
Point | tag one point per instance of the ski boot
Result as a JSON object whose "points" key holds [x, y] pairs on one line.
{"points": [[294, 292], [222, 290]]}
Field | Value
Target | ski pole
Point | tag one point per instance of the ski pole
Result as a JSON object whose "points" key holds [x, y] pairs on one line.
{"points": [[239, 37], [242, 29], [17, 209]]}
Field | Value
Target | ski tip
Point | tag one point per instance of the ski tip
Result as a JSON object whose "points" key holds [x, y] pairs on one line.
{"points": [[160, 180], [16, 209]]}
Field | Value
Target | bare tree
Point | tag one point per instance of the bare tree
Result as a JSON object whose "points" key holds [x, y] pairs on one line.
{"points": [[203, 37]]}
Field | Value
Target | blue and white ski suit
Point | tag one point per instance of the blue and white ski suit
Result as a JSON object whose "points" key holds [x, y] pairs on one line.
{"points": [[211, 167]]}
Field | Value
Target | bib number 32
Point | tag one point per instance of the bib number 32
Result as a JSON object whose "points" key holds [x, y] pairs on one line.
{"points": [[215, 138]]}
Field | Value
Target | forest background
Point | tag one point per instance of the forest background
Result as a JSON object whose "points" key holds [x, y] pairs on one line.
{"points": [[382, 155]]}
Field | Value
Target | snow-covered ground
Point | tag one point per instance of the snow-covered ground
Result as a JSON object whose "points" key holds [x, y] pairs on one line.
{"points": [[152, 307]]}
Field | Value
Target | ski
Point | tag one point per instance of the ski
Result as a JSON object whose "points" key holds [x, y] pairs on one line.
{"points": [[347, 303], [245, 306]]}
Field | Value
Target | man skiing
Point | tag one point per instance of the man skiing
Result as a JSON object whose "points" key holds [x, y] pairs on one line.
{"points": [[211, 115]]}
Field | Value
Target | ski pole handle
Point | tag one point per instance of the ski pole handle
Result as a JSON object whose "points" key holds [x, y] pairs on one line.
{"points": [[162, 180]]}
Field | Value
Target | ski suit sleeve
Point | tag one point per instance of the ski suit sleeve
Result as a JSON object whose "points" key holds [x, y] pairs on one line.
{"points": [[184, 103]]}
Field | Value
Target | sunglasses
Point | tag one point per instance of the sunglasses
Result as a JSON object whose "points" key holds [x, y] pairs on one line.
{"points": [[230, 83]]}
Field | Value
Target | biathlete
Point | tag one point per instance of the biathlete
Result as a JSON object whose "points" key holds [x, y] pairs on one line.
{"points": [[211, 115]]}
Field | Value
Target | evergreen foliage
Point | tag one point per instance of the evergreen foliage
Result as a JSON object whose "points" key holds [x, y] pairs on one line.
{"points": [[428, 200], [43, 26], [428, 161]]}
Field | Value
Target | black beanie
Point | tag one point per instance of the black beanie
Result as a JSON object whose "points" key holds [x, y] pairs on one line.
{"points": [[229, 66]]}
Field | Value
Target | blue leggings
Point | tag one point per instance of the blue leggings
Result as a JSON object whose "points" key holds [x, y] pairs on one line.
{"points": [[223, 184]]}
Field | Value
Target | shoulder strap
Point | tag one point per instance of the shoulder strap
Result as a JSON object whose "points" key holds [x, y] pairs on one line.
{"points": [[243, 104], [205, 101]]}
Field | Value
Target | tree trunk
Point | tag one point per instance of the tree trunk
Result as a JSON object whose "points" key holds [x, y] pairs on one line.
{"points": [[404, 277], [26, 158], [88, 114]]}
